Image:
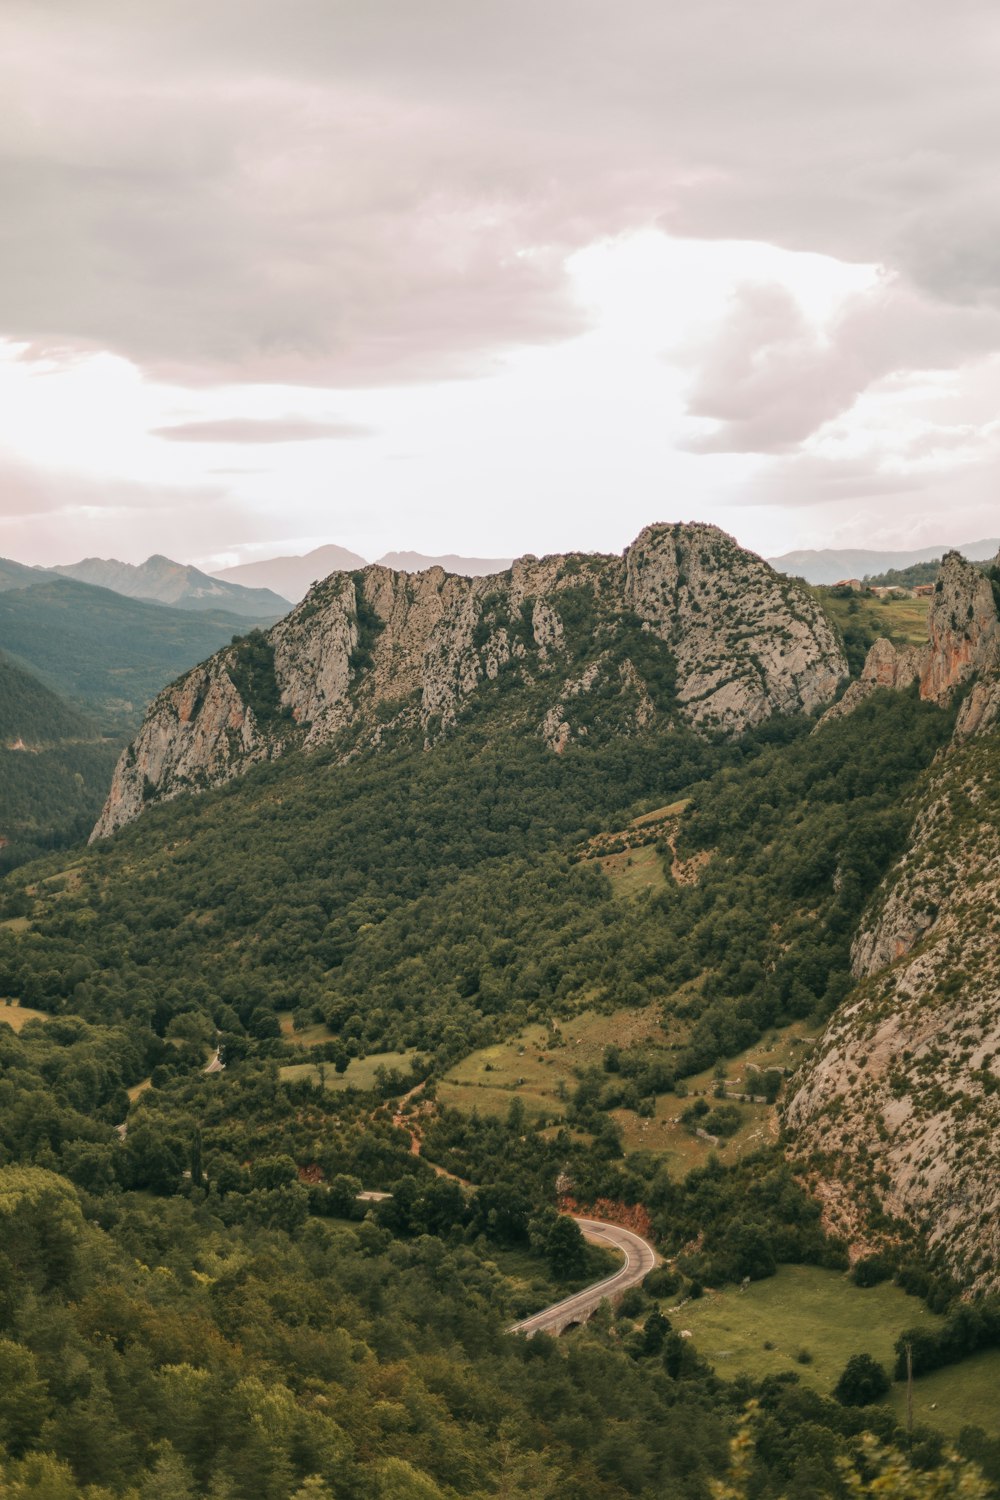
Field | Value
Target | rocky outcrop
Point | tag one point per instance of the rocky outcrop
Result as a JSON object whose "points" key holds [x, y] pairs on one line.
{"points": [[684, 627], [747, 645], [886, 666], [900, 1104], [963, 641]]}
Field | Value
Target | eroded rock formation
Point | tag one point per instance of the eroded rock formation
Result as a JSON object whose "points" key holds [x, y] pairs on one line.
{"points": [[684, 626]]}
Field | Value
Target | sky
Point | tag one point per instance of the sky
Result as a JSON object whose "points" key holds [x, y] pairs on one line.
{"points": [[496, 277]]}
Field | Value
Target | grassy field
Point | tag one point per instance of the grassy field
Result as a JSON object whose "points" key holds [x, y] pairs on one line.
{"points": [[825, 1315], [540, 1067], [902, 620], [634, 870], [360, 1072], [636, 867], [538, 1064], [310, 1036], [16, 1015]]}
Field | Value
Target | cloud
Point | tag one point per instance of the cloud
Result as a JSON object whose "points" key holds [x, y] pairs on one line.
{"points": [[48, 517], [260, 430], [772, 377], [372, 194]]}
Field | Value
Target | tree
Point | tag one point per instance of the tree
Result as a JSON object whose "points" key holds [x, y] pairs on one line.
{"points": [[863, 1381]]}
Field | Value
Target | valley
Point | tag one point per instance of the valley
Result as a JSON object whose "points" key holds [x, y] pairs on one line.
{"points": [[677, 899]]}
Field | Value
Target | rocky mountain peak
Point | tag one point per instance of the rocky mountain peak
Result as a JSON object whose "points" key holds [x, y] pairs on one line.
{"points": [[963, 642], [684, 627]]}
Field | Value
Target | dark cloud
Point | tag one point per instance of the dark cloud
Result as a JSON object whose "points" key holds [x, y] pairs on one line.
{"points": [[260, 430], [345, 194]]}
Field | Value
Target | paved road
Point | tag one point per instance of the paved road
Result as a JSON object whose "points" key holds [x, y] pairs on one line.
{"points": [[640, 1258]]}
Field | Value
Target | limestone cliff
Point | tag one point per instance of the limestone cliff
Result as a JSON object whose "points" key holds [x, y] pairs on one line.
{"points": [[684, 627], [899, 1107], [963, 640]]}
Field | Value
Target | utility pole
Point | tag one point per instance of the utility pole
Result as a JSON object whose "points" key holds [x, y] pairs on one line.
{"points": [[909, 1392]]}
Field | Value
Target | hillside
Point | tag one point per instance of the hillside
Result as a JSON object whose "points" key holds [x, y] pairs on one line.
{"points": [[15, 575], [684, 628], [54, 766], [593, 966], [897, 1110], [106, 654], [178, 584], [30, 713]]}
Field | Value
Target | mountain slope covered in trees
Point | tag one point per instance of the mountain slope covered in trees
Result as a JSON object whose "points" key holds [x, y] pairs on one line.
{"points": [[194, 1302]]}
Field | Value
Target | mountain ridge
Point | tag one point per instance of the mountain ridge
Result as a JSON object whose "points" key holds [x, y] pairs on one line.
{"points": [[579, 644], [182, 586], [293, 576], [828, 565]]}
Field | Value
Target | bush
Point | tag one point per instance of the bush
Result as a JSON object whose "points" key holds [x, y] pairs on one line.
{"points": [[863, 1381]]}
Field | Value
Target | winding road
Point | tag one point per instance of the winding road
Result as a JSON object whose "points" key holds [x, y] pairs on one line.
{"points": [[640, 1258]]}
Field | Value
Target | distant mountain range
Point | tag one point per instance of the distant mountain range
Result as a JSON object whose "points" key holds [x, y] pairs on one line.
{"points": [[177, 584], [106, 654], [830, 565], [294, 576]]}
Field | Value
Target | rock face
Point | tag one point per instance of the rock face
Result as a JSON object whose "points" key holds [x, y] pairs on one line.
{"points": [[899, 1108], [684, 627], [963, 640]]}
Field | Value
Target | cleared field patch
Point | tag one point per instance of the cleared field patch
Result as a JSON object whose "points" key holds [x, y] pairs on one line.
{"points": [[805, 1310], [539, 1065], [360, 1072], [665, 1136], [18, 1015], [902, 620], [785, 1048], [906, 618], [16, 924], [138, 1089], [963, 1395], [309, 1036], [658, 814], [634, 870], [802, 1309]]}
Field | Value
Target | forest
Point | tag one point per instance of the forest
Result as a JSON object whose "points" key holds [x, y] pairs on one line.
{"points": [[194, 1300]]}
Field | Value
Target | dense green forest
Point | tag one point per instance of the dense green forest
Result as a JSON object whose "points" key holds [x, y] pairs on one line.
{"points": [[194, 1301]]}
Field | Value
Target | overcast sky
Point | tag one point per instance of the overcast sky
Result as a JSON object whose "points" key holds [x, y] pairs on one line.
{"points": [[495, 276]]}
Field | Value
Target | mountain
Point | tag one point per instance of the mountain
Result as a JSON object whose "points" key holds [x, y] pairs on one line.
{"points": [[685, 627], [15, 575], [104, 652], [898, 1111], [54, 766], [177, 584], [292, 576], [532, 911], [466, 567], [829, 565]]}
